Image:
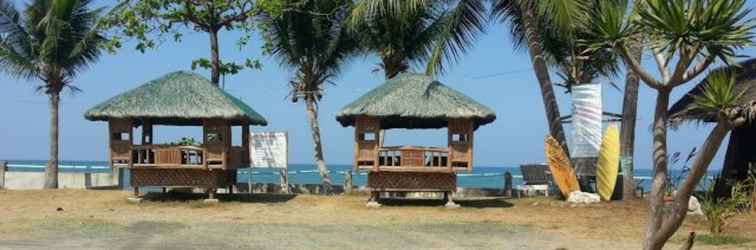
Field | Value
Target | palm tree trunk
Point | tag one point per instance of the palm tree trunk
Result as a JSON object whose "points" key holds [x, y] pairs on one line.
{"points": [[542, 73], [51, 172], [215, 58], [627, 133], [659, 181], [312, 114]]}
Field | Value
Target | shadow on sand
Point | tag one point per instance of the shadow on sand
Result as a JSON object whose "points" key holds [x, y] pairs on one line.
{"points": [[243, 197], [486, 202]]}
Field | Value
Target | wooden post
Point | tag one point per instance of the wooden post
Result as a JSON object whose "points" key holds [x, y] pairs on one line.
{"points": [[284, 181], [348, 182], [3, 168], [136, 191], [508, 184]]}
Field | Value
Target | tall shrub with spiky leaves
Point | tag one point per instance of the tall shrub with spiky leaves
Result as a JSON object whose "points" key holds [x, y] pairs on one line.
{"points": [[50, 41], [685, 38]]}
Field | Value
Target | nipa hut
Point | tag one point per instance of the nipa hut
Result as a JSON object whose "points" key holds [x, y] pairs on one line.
{"points": [[177, 99], [740, 151], [414, 101]]}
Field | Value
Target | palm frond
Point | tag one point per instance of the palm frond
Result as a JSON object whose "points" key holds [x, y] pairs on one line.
{"points": [[462, 26]]}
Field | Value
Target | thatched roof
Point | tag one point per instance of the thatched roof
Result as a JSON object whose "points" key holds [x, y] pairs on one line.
{"points": [[745, 79], [415, 101], [178, 98]]}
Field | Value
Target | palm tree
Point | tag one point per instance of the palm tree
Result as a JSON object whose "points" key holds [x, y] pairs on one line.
{"points": [[435, 32], [398, 40], [527, 25], [555, 41], [629, 115], [51, 41], [310, 37]]}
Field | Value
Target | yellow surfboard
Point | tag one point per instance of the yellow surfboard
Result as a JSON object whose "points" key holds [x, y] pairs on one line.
{"points": [[608, 163], [561, 168]]}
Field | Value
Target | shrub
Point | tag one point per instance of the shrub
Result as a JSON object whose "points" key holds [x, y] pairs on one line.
{"points": [[718, 211]]}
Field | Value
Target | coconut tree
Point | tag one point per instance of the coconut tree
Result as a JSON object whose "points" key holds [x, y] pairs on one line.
{"points": [[311, 38], [435, 32], [50, 41], [685, 37], [561, 44], [398, 40]]}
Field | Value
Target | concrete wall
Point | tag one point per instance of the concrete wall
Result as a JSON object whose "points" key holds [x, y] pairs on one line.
{"points": [[35, 180]]}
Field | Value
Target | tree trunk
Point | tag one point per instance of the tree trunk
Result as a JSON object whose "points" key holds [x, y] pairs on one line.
{"points": [[542, 73], [629, 116], [669, 225], [51, 172], [738, 159], [215, 58], [659, 178], [312, 114]]}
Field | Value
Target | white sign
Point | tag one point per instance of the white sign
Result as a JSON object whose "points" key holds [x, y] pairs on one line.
{"points": [[269, 150], [586, 119]]}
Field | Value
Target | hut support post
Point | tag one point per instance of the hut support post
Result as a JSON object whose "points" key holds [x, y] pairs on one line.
{"points": [[449, 200], [136, 191]]}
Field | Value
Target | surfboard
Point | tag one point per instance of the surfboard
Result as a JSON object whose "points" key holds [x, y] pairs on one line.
{"points": [[561, 168], [608, 163]]}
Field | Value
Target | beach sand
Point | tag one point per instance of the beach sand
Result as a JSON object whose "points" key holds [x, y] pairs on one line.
{"points": [[103, 219]]}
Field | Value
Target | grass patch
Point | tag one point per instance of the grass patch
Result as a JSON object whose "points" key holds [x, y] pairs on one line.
{"points": [[721, 240]]}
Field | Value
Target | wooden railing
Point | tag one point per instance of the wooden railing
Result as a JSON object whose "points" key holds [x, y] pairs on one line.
{"points": [[166, 156], [413, 159]]}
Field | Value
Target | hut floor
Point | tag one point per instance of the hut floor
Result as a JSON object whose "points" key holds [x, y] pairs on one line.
{"points": [[74, 219]]}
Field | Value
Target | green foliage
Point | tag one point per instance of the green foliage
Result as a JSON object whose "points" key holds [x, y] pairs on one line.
{"points": [[51, 41], [563, 29], [457, 24], [186, 141], [718, 93], [721, 240], [152, 22], [687, 29], [719, 210], [310, 37]]}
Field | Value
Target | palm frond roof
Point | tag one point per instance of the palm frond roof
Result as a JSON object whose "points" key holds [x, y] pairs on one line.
{"points": [[415, 101], [178, 98]]}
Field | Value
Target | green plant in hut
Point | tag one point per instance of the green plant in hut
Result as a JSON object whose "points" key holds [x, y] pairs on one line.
{"points": [[51, 41]]}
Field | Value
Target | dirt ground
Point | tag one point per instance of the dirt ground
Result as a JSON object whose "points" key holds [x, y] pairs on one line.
{"points": [[77, 219]]}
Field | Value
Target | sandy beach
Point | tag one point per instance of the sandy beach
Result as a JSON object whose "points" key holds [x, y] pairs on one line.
{"points": [[78, 219]]}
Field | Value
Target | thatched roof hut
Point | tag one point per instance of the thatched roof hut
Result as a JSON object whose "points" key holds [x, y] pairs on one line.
{"points": [[745, 80], [415, 101], [742, 143], [178, 98]]}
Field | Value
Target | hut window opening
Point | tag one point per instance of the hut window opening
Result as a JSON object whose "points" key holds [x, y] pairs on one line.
{"points": [[460, 138], [120, 136], [368, 136]]}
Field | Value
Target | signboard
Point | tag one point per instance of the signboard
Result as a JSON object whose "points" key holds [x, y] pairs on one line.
{"points": [[586, 119], [269, 149]]}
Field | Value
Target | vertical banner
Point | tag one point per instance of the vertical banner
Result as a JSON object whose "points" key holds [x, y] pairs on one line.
{"points": [[586, 119]]}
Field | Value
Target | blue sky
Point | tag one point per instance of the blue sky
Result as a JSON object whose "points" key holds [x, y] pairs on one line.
{"points": [[493, 73]]}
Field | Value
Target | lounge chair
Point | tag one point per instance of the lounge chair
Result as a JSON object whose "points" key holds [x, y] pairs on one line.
{"points": [[536, 177]]}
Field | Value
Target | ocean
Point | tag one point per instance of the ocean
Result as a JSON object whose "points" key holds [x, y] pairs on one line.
{"points": [[480, 177]]}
